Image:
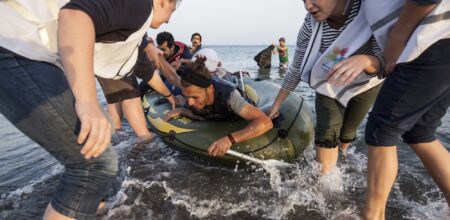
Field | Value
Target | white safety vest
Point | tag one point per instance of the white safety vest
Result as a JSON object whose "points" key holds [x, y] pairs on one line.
{"points": [[29, 29], [382, 15], [316, 66]]}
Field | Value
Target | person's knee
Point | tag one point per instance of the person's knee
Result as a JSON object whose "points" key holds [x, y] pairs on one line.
{"points": [[84, 184]]}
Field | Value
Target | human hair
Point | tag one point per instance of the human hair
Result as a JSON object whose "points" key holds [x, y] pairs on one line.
{"points": [[199, 68], [282, 39], [196, 34], [165, 37]]}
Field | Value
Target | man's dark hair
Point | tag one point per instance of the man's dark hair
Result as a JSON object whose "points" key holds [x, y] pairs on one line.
{"points": [[165, 37], [196, 34]]}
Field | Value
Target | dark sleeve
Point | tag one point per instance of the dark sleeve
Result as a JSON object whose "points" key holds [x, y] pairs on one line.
{"points": [[186, 54], [144, 68], [427, 2], [114, 20]]}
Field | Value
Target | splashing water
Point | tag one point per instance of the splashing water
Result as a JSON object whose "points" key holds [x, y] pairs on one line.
{"points": [[161, 183]]}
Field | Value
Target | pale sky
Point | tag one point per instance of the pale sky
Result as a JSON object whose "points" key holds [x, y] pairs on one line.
{"points": [[236, 22]]}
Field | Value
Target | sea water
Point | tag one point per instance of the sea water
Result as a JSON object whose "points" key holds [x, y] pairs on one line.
{"points": [[162, 183]]}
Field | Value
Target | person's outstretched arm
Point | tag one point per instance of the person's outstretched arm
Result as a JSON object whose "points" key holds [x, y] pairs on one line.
{"points": [[293, 76], [158, 85], [259, 124], [410, 17], [155, 55], [76, 38]]}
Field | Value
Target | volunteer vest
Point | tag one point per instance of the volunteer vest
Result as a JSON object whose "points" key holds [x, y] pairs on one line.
{"points": [[316, 66], [381, 15], [30, 30]]}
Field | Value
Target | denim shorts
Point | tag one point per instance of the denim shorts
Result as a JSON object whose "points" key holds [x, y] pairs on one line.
{"points": [[413, 100], [36, 98]]}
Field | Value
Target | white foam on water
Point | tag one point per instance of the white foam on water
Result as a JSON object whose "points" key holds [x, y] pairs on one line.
{"points": [[278, 193]]}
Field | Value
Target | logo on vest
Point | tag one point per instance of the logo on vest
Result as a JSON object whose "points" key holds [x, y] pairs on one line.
{"points": [[334, 57]]}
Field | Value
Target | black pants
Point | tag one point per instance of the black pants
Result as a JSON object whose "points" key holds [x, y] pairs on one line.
{"points": [[412, 100]]}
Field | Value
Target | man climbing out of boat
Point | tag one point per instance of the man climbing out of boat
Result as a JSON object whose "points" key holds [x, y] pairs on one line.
{"points": [[213, 98]]}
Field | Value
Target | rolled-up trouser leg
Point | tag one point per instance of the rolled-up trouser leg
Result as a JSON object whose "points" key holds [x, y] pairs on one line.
{"points": [[36, 98]]}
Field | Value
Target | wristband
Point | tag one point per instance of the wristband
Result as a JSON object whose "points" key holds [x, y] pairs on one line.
{"points": [[231, 138], [167, 96]]}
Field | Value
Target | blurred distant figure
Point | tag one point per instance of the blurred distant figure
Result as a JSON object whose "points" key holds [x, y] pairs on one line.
{"points": [[196, 41], [282, 51]]}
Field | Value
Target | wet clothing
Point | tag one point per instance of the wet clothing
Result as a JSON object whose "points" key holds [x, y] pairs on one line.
{"points": [[413, 100], [336, 124], [228, 101]]}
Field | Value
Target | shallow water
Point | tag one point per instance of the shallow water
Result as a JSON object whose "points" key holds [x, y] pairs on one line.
{"points": [[162, 183]]}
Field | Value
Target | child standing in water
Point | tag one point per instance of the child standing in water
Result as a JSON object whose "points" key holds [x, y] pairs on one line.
{"points": [[282, 51]]}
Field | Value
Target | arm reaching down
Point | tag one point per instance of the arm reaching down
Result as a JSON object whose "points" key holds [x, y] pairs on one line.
{"points": [[410, 17], [158, 85], [155, 55], [76, 38]]}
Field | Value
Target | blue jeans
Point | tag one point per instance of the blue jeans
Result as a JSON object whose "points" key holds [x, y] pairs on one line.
{"points": [[36, 98]]}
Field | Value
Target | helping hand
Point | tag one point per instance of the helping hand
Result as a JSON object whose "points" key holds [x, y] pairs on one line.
{"points": [[176, 64], [220, 147], [394, 48], [346, 71], [174, 113], [273, 112], [173, 101], [96, 129]]}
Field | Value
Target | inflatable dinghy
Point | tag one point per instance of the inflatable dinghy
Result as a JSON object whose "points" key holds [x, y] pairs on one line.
{"points": [[293, 131]]}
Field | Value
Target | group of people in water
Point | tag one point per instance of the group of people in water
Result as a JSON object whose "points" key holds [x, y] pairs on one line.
{"points": [[385, 55]]}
